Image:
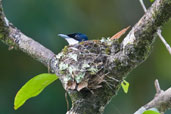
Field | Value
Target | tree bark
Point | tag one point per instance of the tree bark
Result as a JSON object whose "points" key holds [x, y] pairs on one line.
{"points": [[92, 71], [15, 39]]}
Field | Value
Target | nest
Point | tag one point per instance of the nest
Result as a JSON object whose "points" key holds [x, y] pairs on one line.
{"points": [[84, 65]]}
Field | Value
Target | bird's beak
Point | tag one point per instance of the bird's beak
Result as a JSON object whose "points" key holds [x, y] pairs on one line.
{"points": [[63, 35]]}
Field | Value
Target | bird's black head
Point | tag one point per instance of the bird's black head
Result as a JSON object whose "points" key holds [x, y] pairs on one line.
{"points": [[78, 36]]}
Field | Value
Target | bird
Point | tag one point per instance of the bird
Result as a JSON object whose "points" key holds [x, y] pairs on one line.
{"points": [[74, 38]]}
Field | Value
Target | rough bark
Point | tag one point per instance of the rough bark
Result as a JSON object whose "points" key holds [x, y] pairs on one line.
{"points": [[91, 72], [15, 39]]}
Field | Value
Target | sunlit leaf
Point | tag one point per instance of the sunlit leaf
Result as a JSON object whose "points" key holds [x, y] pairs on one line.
{"points": [[151, 0], [33, 88], [125, 86], [150, 112]]}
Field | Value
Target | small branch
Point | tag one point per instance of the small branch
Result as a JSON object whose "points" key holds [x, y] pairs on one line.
{"points": [[157, 86], [163, 40], [143, 5], [161, 101]]}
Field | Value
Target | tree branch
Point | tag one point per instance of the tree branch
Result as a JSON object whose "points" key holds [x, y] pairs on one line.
{"points": [[161, 101], [91, 72], [158, 31], [14, 38]]}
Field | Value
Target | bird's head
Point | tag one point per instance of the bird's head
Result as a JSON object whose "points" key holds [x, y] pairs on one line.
{"points": [[74, 38]]}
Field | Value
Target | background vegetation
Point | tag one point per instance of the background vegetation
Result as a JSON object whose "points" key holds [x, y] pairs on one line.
{"points": [[44, 19]]}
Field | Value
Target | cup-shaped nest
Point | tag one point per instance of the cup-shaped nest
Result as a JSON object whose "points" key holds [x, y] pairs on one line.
{"points": [[84, 65]]}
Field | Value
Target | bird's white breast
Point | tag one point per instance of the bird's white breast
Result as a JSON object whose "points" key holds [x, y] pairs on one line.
{"points": [[71, 41]]}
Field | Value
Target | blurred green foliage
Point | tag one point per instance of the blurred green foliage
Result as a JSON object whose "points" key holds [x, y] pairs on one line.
{"points": [[44, 19]]}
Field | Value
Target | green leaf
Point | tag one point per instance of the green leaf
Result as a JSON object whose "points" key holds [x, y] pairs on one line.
{"points": [[151, 0], [33, 88], [151, 112], [125, 86]]}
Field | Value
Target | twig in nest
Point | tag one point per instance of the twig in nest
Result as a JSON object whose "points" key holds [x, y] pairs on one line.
{"points": [[120, 33], [66, 98]]}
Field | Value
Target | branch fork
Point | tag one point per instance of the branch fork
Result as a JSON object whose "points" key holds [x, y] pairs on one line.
{"points": [[161, 100], [94, 66]]}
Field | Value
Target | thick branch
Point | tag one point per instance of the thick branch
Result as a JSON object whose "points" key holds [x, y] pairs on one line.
{"points": [[91, 72], [14, 38], [138, 42]]}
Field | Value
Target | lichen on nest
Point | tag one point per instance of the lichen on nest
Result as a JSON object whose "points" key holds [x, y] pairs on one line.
{"points": [[83, 65]]}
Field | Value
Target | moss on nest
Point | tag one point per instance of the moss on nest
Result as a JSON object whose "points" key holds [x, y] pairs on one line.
{"points": [[83, 65], [65, 49]]}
